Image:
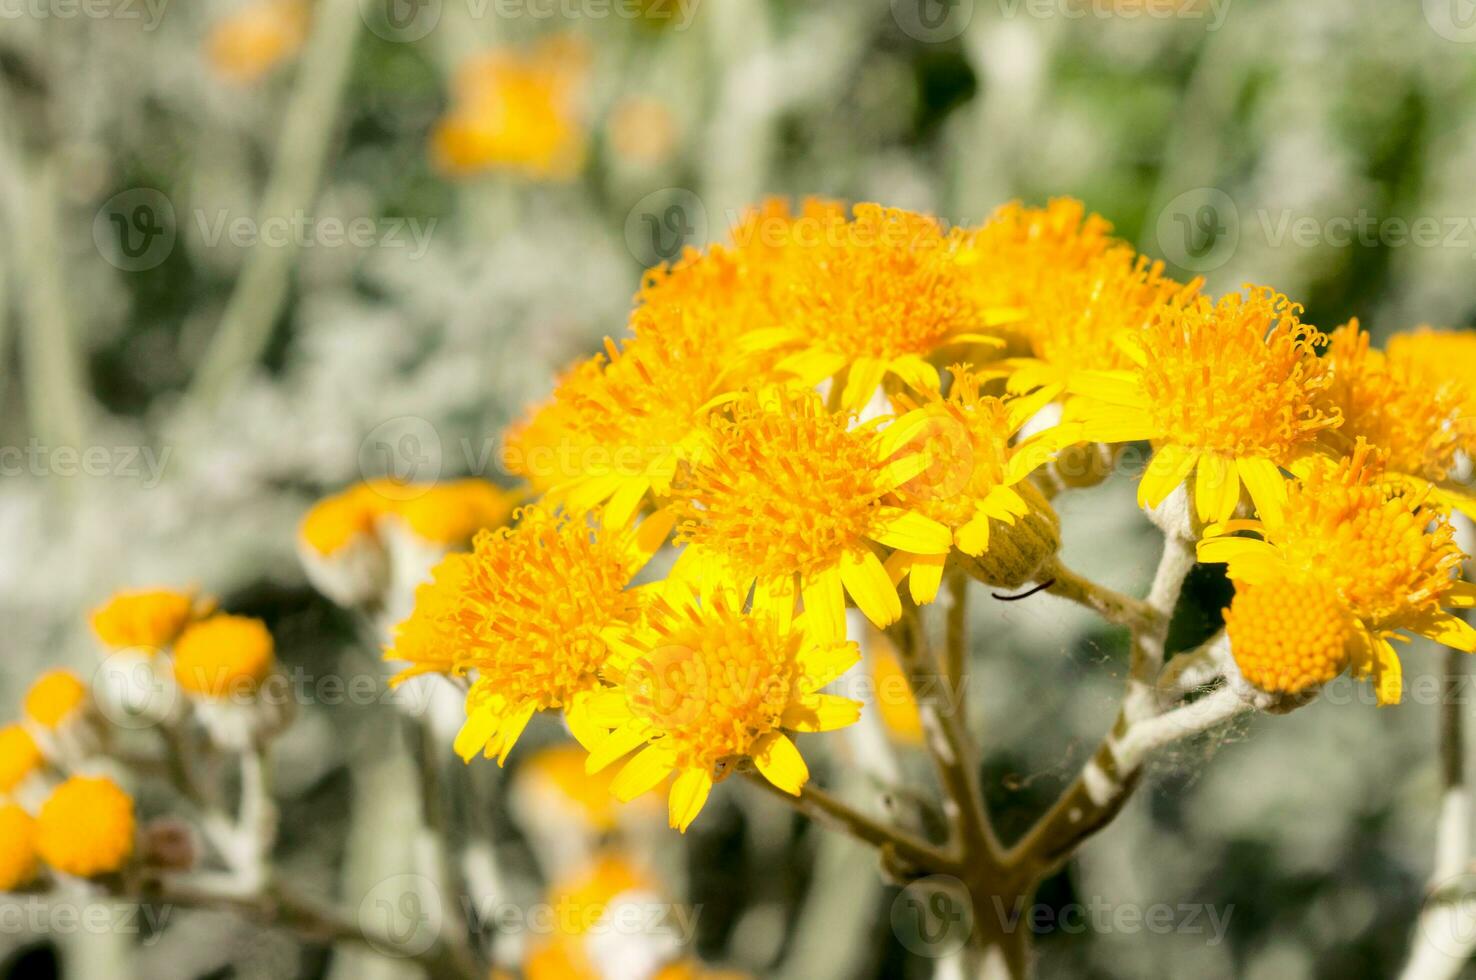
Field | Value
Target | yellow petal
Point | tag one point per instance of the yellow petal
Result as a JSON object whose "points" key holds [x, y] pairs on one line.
{"points": [[480, 725], [1266, 485], [917, 373], [1115, 424], [910, 531], [1234, 550], [1110, 387], [781, 763], [1388, 674], [973, 537], [864, 377], [510, 732], [823, 664], [616, 745], [1216, 488], [1168, 468], [622, 506], [643, 773], [825, 605], [925, 578], [688, 795], [870, 586], [821, 713], [1462, 595], [1452, 631]]}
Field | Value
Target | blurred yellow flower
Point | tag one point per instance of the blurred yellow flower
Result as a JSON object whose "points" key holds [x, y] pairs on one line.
{"points": [[55, 697], [19, 757], [19, 859], [148, 619], [257, 37], [86, 827], [702, 685], [224, 657], [519, 112]]}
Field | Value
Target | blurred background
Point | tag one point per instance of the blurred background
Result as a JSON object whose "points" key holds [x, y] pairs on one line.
{"points": [[257, 250]]}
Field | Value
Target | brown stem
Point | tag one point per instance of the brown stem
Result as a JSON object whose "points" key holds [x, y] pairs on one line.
{"points": [[909, 856], [953, 752]]}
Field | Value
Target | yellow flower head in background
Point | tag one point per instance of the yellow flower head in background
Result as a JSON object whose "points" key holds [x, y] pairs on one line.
{"points": [[1021, 255], [1389, 560], [580, 903], [19, 757], [974, 477], [1228, 391], [871, 298], [19, 859], [149, 619], [1074, 325], [1414, 403], [452, 512], [54, 698], [224, 657], [258, 37], [86, 828], [519, 112], [786, 490], [895, 702], [701, 684], [532, 614], [558, 774], [339, 520]]}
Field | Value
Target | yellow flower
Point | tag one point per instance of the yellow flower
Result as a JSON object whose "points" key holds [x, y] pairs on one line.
{"points": [[557, 775], [451, 513], [702, 685], [86, 828], [428, 639], [54, 698], [335, 522], [19, 861], [785, 490], [150, 619], [1229, 392], [974, 478], [224, 657], [529, 614], [579, 904], [1289, 635], [894, 701], [258, 37], [872, 298], [1074, 324], [1021, 256], [1448, 356], [1390, 559], [517, 111], [19, 757], [615, 432]]}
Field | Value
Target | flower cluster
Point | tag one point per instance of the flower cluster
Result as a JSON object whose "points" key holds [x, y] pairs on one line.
{"points": [[845, 407], [173, 670]]}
